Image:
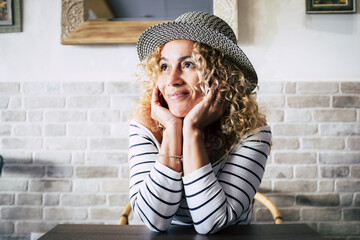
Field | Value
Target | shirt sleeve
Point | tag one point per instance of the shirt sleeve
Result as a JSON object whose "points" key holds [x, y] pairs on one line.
{"points": [[155, 190], [218, 201]]}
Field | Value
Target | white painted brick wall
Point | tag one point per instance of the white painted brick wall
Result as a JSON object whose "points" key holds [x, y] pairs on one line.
{"points": [[65, 152]]}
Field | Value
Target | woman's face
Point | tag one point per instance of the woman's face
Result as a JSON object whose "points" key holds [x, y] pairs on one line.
{"points": [[178, 78]]}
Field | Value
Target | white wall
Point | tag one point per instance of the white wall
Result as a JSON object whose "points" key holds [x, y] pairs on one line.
{"points": [[286, 43], [37, 55], [283, 42]]}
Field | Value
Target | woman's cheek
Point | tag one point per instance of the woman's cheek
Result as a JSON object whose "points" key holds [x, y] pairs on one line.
{"points": [[161, 84]]}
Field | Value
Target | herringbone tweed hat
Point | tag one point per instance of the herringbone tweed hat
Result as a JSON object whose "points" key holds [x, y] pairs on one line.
{"points": [[200, 27]]}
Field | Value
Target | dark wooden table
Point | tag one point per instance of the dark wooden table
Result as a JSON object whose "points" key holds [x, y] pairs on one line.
{"points": [[141, 232]]}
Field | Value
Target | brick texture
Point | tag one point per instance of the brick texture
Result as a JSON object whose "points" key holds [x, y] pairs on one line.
{"points": [[65, 151]]}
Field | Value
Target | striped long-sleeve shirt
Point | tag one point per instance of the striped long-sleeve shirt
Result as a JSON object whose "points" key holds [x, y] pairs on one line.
{"points": [[210, 198]]}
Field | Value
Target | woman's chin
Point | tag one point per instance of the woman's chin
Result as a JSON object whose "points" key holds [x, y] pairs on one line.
{"points": [[179, 114]]}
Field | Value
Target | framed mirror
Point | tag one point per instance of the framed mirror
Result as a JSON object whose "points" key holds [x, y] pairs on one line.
{"points": [[78, 28]]}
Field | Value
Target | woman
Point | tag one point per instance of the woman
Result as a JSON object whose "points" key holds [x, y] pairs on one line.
{"points": [[198, 145]]}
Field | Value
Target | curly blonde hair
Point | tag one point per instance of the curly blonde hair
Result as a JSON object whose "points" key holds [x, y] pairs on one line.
{"points": [[242, 114]]}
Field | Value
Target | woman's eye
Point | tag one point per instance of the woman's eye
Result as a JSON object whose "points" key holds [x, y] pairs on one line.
{"points": [[188, 64], [163, 67]]}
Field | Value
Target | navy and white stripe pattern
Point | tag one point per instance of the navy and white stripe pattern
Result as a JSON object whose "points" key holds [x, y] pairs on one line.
{"points": [[210, 198]]}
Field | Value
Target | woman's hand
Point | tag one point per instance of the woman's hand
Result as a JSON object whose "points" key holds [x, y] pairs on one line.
{"points": [[160, 113], [172, 136], [209, 110]]}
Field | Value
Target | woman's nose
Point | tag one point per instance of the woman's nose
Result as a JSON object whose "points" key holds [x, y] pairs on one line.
{"points": [[175, 77]]}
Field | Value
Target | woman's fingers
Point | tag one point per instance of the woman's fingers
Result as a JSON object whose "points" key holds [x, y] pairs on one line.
{"points": [[210, 109], [218, 106], [220, 96], [155, 96], [158, 111], [217, 98], [155, 104]]}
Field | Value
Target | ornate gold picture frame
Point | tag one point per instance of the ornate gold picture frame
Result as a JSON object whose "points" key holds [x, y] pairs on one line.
{"points": [[77, 30]]}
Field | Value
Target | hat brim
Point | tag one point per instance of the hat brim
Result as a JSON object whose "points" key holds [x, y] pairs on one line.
{"points": [[162, 33]]}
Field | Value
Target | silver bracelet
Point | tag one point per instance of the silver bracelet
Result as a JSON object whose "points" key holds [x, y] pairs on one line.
{"points": [[180, 157]]}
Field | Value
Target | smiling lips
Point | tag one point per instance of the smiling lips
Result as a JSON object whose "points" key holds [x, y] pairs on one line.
{"points": [[177, 95]]}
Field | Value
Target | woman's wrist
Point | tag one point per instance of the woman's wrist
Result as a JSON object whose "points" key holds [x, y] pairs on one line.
{"points": [[177, 157], [174, 130], [173, 162], [172, 142], [192, 131], [195, 155], [171, 147]]}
